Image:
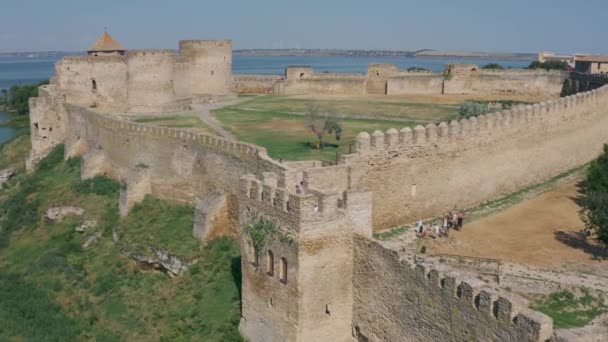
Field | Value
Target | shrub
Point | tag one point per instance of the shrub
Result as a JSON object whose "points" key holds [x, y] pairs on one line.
{"points": [[471, 108], [17, 97], [414, 68], [493, 66], [548, 65], [98, 185]]}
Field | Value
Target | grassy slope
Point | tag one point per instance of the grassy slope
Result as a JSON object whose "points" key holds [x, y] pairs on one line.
{"points": [[570, 310], [53, 290]]}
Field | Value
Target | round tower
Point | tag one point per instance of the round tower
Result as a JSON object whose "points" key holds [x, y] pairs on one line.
{"points": [[150, 78], [210, 65]]}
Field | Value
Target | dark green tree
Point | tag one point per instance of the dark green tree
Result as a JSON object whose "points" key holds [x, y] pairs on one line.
{"points": [[595, 199], [548, 65], [17, 97], [493, 66]]}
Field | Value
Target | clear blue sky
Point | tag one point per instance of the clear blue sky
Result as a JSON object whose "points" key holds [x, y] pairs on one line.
{"points": [[475, 25]]}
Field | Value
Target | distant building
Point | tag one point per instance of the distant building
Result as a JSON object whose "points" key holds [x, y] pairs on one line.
{"points": [[584, 63], [591, 64]]}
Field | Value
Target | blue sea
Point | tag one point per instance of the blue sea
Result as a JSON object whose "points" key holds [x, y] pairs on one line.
{"points": [[18, 71], [32, 70]]}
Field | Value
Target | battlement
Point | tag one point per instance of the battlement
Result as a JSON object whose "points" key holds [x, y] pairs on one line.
{"points": [[490, 126], [273, 201], [420, 297], [91, 59], [505, 307], [148, 53], [205, 43], [242, 149]]}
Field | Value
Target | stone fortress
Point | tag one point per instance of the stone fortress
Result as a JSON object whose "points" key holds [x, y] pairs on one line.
{"points": [[321, 276]]}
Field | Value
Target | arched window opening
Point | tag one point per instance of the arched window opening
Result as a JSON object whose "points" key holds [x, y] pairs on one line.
{"points": [[270, 263], [301, 74], [283, 270], [94, 85]]}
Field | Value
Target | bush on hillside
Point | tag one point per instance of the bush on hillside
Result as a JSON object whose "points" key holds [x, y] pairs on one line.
{"points": [[471, 108], [595, 200]]}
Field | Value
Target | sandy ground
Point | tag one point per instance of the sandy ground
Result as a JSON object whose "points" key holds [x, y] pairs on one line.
{"points": [[543, 231]]}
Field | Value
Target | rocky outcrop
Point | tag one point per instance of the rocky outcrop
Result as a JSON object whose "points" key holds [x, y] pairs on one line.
{"points": [[6, 175], [58, 213]]}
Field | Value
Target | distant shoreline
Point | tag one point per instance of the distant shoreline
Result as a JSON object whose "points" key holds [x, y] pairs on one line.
{"points": [[325, 53]]}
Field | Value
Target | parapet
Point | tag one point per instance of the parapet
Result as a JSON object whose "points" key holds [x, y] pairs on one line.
{"points": [[242, 149], [491, 126], [281, 204], [509, 309], [149, 53], [205, 43]]}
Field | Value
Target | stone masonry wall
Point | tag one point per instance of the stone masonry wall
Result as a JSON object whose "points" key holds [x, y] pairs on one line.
{"points": [[182, 165], [315, 238], [394, 301], [254, 84], [428, 170]]}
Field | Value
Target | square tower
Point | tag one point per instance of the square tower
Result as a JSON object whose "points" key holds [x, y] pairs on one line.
{"points": [[297, 262]]}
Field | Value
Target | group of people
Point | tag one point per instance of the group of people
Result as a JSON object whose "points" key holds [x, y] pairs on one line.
{"points": [[452, 220]]}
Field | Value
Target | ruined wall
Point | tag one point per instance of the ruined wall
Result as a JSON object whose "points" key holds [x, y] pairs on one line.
{"points": [[181, 164], [377, 76], [395, 302], [254, 84], [47, 123], [429, 170]]}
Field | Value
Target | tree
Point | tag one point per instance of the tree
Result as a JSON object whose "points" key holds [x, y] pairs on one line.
{"points": [[17, 97], [493, 66], [548, 65], [322, 123], [595, 199], [471, 108], [415, 68]]}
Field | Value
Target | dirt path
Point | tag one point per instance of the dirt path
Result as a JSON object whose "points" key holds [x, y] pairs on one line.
{"points": [[203, 111]]}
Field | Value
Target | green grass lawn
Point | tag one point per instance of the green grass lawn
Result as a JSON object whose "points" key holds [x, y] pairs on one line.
{"points": [[54, 290], [390, 107], [287, 136], [176, 121]]}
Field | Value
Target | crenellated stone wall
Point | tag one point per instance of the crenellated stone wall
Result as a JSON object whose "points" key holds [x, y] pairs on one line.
{"points": [[397, 301], [425, 171]]}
